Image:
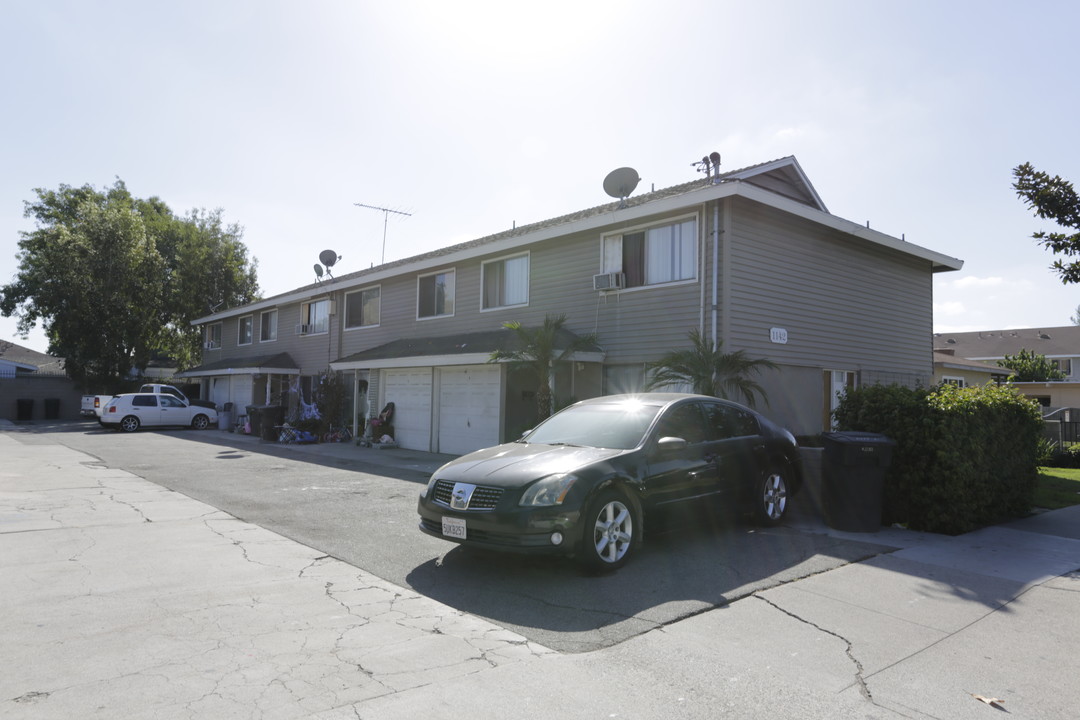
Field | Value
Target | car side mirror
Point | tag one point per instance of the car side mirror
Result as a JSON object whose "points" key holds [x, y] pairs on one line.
{"points": [[671, 444]]}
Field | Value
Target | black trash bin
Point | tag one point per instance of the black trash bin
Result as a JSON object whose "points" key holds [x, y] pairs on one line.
{"points": [[24, 409], [853, 479], [254, 414], [273, 416], [52, 408]]}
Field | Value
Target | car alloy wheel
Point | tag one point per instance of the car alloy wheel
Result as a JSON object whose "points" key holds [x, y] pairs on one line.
{"points": [[609, 531], [200, 422], [772, 498], [129, 424]]}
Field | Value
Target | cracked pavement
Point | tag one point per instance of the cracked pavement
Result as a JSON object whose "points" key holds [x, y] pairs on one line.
{"points": [[121, 598]]}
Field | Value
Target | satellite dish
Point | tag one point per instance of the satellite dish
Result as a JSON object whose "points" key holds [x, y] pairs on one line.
{"points": [[328, 258], [620, 182], [318, 270]]}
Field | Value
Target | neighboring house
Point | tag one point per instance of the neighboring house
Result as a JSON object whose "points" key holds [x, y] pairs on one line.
{"points": [[1060, 345], [963, 372], [750, 257], [34, 386]]}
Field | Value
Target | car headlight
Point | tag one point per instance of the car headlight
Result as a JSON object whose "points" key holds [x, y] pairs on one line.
{"points": [[551, 490]]}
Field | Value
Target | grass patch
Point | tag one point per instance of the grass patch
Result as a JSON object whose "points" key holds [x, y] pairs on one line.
{"points": [[1057, 488]]}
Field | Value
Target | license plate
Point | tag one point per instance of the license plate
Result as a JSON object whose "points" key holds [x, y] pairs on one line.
{"points": [[453, 527]]}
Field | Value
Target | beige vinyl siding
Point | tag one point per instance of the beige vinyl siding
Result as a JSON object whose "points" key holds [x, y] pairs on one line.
{"points": [[845, 304]]}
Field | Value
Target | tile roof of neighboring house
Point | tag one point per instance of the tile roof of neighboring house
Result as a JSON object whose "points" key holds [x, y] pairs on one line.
{"points": [[991, 344], [946, 359], [20, 355]]}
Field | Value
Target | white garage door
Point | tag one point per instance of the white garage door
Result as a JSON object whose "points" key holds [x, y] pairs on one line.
{"points": [[469, 401], [240, 393], [410, 391]]}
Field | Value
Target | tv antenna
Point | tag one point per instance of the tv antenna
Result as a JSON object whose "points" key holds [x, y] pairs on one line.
{"points": [[710, 165], [327, 258], [620, 182], [386, 215]]}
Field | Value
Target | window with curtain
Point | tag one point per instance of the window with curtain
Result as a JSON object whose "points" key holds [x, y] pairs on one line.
{"points": [[315, 316], [506, 282], [243, 335], [268, 326], [363, 308], [213, 337], [435, 295], [657, 255]]}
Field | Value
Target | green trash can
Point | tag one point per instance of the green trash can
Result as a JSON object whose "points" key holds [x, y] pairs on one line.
{"points": [[853, 479]]}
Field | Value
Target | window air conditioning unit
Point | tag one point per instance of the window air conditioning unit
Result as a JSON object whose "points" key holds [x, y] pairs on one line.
{"points": [[609, 281], [303, 329]]}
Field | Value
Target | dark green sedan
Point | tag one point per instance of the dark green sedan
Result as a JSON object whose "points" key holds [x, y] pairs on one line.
{"points": [[585, 481]]}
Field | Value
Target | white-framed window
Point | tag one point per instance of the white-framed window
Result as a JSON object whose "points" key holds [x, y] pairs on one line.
{"points": [[950, 380], [653, 255], [268, 326], [212, 337], [435, 294], [244, 330], [505, 282], [314, 317], [363, 308], [1064, 365]]}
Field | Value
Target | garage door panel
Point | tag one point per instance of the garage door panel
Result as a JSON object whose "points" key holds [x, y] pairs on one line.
{"points": [[469, 402], [410, 391]]}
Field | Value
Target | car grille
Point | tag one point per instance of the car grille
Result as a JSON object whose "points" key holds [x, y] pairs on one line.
{"points": [[483, 498]]}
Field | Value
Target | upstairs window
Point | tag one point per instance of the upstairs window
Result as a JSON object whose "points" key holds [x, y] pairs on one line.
{"points": [[314, 317], [435, 295], [268, 326], [363, 308], [653, 256], [243, 333], [212, 339], [505, 282]]}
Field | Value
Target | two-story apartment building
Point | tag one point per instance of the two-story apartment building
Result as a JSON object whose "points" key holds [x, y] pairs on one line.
{"points": [[750, 257]]}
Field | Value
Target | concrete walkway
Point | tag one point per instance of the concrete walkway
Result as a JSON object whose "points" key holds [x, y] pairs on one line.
{"points": [[121, 599]]}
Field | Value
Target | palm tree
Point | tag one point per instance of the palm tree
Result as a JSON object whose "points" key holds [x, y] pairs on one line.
{"points": [[710, 371], [541, 349]]}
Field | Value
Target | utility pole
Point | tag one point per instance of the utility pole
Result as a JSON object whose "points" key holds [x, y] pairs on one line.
{"points": [[386, 215]]}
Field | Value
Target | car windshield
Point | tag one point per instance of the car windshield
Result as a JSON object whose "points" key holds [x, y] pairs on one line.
{"points": [[616, 425]]}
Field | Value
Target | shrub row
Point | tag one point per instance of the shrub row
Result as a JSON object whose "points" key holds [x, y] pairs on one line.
{"points": [[965, 457]]}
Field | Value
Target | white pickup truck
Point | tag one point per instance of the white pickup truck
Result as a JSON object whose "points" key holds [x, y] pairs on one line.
{"points": [[92, 405]]}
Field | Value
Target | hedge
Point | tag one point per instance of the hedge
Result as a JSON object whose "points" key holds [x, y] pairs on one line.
{"points": [[965, 457]]}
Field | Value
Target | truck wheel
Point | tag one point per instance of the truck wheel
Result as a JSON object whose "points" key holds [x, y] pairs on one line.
{"points": [[200, 422]]}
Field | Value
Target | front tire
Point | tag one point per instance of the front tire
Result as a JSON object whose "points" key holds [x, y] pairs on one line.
{"points": [[129, 424], [609, 539], [771, 498], [200, 422]]}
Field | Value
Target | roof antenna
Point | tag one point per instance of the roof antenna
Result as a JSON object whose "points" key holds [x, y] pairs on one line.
{"points": [[710, 165], [386, 214]]}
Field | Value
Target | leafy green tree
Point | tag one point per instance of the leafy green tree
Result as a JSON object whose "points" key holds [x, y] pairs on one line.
{"points": [[710, 370], [1053, 198], [541, 350], [115, 280], [1031, 367]]}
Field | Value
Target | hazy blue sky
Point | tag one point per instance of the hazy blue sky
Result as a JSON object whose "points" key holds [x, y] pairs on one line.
{"points": [[474, 116]]}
